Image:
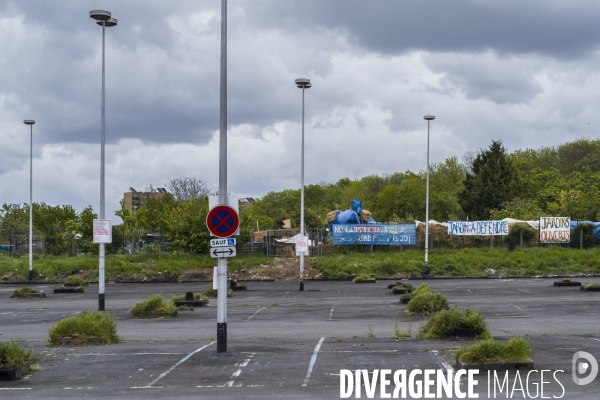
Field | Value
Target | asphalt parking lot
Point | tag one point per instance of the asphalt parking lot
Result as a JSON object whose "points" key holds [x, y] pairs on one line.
{"points": [[283, 343]]}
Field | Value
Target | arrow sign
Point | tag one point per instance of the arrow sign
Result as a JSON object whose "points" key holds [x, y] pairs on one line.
{"points": [[221, 252]]}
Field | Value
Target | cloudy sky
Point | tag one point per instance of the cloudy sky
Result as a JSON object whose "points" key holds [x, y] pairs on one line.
{"points": [[522, 72]]}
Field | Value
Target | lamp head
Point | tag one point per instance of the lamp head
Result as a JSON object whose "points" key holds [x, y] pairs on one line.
{"points": [[100, 15], [108, 22], [29, 122], [429, 117], [303, 83]]}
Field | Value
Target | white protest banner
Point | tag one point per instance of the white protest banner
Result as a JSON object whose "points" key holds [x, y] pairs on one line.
{"points": [[477, 228], [555, 229]]}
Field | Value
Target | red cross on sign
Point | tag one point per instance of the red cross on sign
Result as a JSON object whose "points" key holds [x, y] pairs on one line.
{"points": [[222, 221]]}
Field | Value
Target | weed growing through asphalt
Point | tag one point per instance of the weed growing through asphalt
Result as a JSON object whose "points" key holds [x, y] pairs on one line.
{"points": [[443, 323], [197, 296], [398, 334], [371, 335]]}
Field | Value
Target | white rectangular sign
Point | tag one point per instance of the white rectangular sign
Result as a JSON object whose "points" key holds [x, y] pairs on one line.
{"points": [[215, 280], [555, 229], [222, 242], [102, 231], [222, 252], [477, 228], [301, 245]]}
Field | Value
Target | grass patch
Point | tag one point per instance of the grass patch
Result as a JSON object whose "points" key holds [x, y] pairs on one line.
{"points": [[152, 304], [443, 323], [87, 327], [590, 286], [197, 296], [13, 355], [23, 290], [209, 291], [516, 349], [565, 280], [75, 281], [363, 279]]}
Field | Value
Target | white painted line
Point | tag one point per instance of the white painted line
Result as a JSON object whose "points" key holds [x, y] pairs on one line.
{"points": [[443, 362], [286, 293], [313, 360], [331, 313], [523, 290], [519, 308], [15, 388], [250, 317], [469, 291], [204, 386], [146, 387], [184, 359], [596, 339], [152, 354]]}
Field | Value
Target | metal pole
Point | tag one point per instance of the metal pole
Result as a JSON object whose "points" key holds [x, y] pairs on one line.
{"points": [[426, 267], [302, 198], [222, 262], [581, 239], [31, 205], [101, 287]]}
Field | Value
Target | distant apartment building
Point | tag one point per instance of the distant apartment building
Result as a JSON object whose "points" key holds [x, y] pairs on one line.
{"points": [[133, 199]]}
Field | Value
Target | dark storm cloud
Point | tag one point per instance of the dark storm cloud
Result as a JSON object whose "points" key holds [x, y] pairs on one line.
{"points": [[562, 29]]}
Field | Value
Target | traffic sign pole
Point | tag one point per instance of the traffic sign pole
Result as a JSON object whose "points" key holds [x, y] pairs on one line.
{"points": [[222, 264]]}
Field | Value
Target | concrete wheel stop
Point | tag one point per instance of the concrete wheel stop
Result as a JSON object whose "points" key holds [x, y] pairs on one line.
{"points": [[562, 284], [465, 332], [8, 374], [590, 289], [233, 285], [67, 290], [405, 299]]}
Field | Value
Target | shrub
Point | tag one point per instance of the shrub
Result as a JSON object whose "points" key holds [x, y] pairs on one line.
{"points": [[443, 323], [83, 327], [75, 281], [197, 296], [427, 303], [516, 349], [513, 239], [154, 304], [209, 291], [13, 355]]}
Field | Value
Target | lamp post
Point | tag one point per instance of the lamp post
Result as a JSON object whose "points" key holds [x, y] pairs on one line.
{"points": [[426, 266], [30, 122], [103, 18], [302, 83]]}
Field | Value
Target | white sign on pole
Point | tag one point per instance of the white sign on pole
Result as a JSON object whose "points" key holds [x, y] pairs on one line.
{"points": [[555, 229], [301, 245], [222, 242], [222, 252], [102, 231], [215, 280]]}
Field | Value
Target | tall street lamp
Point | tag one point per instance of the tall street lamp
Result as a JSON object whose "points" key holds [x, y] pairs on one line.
{"points": [[103, 18], [302, 83], [426, 266], [30, 122]]}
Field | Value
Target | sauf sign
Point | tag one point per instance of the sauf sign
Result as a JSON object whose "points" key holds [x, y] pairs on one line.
{"points": [[555, 229]]}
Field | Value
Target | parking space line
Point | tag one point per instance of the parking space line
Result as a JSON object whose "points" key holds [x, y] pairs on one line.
{"points": [[596, 339], [331, 313], [250, 317], [313, 360], [184, 359], [15, 388], [526, 291], [518, 308], [286, 293], [236, 373]]}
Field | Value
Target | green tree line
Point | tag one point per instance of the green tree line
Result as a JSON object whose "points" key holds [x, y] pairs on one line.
{"points": [[490, 183]]}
